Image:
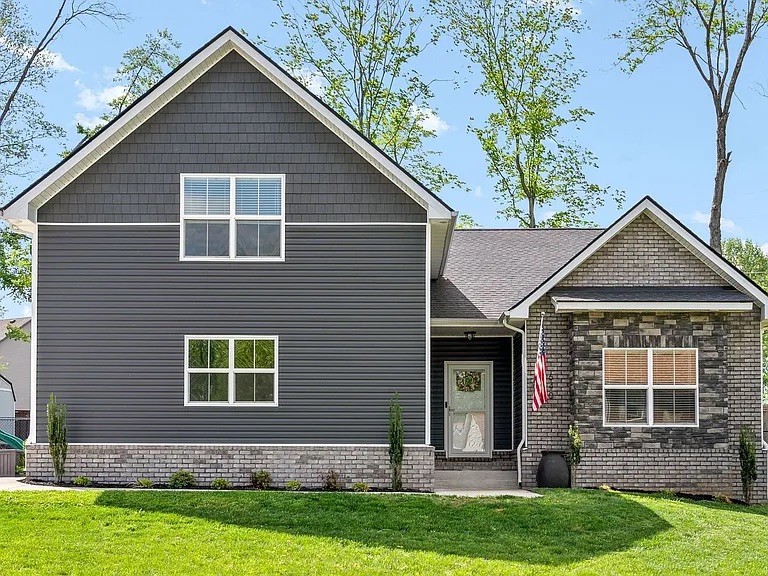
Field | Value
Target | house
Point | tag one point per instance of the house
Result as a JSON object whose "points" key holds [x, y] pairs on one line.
{"points": [[15, 386], [228, 277]]}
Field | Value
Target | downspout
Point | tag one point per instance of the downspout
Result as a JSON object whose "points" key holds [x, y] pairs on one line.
{"points": [[524, 411]]}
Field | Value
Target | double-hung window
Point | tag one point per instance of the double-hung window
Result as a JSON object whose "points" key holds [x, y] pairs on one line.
{"points": [[650, 387], [224, 370], [232, 217]]}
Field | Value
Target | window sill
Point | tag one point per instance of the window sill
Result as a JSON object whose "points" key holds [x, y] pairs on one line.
{"points": [[230, 405], [235, 259], [606, 425]]}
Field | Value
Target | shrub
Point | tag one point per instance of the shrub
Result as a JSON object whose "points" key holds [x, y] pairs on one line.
{"points": [[723, 498], [144, 483], [360, 487], [221, 484], [261, 479], [57, 436], [574, 442], [748, 461], [332, 481], [82, 481], [293, 485], [182, 479], [396, 442], [668, 493]]}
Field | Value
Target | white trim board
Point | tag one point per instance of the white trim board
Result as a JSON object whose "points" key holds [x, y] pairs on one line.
{"points": [[234, 444], [521, 310], [646, 306], [22, 209]]}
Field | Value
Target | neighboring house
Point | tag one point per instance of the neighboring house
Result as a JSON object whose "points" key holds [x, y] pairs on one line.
{"points": [[229, 277], [16, 364]]}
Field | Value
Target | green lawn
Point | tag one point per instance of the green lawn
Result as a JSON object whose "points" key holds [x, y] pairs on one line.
{"points": [[565, 532]]}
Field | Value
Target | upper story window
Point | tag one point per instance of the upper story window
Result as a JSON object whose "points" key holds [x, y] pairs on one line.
{"points": [[650, 387], [232, 217]]}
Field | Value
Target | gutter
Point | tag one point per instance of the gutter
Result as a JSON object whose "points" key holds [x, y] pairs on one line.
{"points": [[524, 411]]}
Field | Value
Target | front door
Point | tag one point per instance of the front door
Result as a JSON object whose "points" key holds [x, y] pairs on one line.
{"points": [[468, 413]]}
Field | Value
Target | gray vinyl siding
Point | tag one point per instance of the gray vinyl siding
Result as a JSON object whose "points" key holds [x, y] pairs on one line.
{"points": [[496, 350], [232, 120], [115, 302]]}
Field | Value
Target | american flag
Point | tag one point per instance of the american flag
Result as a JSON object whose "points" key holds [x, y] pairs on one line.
{"points": [[540, 394]]}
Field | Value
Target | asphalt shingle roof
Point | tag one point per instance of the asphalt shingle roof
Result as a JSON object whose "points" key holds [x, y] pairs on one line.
{"points": [[490, 270]]}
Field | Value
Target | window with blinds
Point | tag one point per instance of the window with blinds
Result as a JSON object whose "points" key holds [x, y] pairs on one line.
{"points": [[650, 386], [237, 217]]}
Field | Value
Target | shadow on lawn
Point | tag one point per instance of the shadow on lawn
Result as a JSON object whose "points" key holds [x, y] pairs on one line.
{"points": [[562, 527]]}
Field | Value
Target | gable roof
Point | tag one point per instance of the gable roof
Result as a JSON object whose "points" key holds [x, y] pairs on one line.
{"points": [[20, 211], [520, 310], [489, 269]]}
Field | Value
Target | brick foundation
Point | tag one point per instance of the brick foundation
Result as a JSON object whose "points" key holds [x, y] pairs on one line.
{"points": [[124, 464]]}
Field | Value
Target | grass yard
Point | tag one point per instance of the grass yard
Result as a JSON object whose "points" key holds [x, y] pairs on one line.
{"points": [[565, 532]]}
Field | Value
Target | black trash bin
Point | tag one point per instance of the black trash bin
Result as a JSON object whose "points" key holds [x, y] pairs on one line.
{"points": [[553, 470]]}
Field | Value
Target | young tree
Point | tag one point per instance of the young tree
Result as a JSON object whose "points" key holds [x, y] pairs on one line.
{"points": [[140, 68], [717, 36], [523, 52], [360, 57], [466, 221], [57, 436], [748, 257], [26, 65]]}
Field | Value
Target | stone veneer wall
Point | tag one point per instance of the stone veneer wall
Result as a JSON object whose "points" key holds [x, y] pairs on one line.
{"points": [[124, 464]]}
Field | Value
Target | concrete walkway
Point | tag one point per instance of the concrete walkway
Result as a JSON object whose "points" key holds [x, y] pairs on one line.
{"points": [[15, 483], [515, 492]]}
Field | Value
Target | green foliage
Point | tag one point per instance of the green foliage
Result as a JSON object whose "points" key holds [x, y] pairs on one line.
{"points": [[57, 436], [361, 58], [144, 483], [574, 443], [716, 36], [82, 481], [182, 479], [332, 481], [396, 437], [523, 52], [748, 461], [261, 479], [221, 484], [749, 257], [293, 485], [360, 487], [140, 69], [466, 221]]}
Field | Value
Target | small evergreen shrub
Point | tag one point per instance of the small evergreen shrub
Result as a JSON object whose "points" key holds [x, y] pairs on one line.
{"points": [[144, 483], [182, 479], [396, 443], [332, 481], [293, 485], [723, 498], [221, 484], [748, 461], [574, 443], [82, 481], [57, 436], [261, 479], [360, 487]]}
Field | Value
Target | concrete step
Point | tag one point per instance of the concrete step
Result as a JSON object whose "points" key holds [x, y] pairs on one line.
{"points": [[475, 480]]}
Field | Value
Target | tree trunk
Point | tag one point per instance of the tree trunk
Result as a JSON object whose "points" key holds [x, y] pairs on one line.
{"points": [[531, 212], [723, 160]]}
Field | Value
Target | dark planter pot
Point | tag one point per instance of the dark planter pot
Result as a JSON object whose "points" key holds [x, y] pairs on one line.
{"points": [[552, 471]]}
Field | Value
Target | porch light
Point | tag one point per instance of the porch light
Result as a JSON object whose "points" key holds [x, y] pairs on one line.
{"points": [[470, 335]]}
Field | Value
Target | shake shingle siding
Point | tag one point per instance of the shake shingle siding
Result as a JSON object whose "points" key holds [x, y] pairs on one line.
{"points": [[233, 120], [114, 304]]}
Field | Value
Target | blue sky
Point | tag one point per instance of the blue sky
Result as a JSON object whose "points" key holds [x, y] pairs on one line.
{"points": [[652, 131]]}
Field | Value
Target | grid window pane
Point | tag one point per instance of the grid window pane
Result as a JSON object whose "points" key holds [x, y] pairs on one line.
{"points": [[247, 238], [198, 353], [615, 366], [265, 353], [637, 367], [254, 387], [626, 406], [270, 196], [685, 367], [206, 196], [219, 354], [663, 367], [208, 387], [269, 238], [244, 354], [206, 238], [674, 406]]}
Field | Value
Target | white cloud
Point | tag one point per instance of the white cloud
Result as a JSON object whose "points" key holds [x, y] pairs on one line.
{"points": [[429, 120], [726, 224], [58, 63], [53, 60], [478, 192], [764, 248], [87, 121], [97, 100], [311, 79]]}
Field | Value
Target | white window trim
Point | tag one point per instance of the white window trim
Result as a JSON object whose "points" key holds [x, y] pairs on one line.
{"points": [[231, 371], [232, 218], [650, 387]]}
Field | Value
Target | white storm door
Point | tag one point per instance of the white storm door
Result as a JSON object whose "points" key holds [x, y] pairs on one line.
{"points": [[468, 411]]}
